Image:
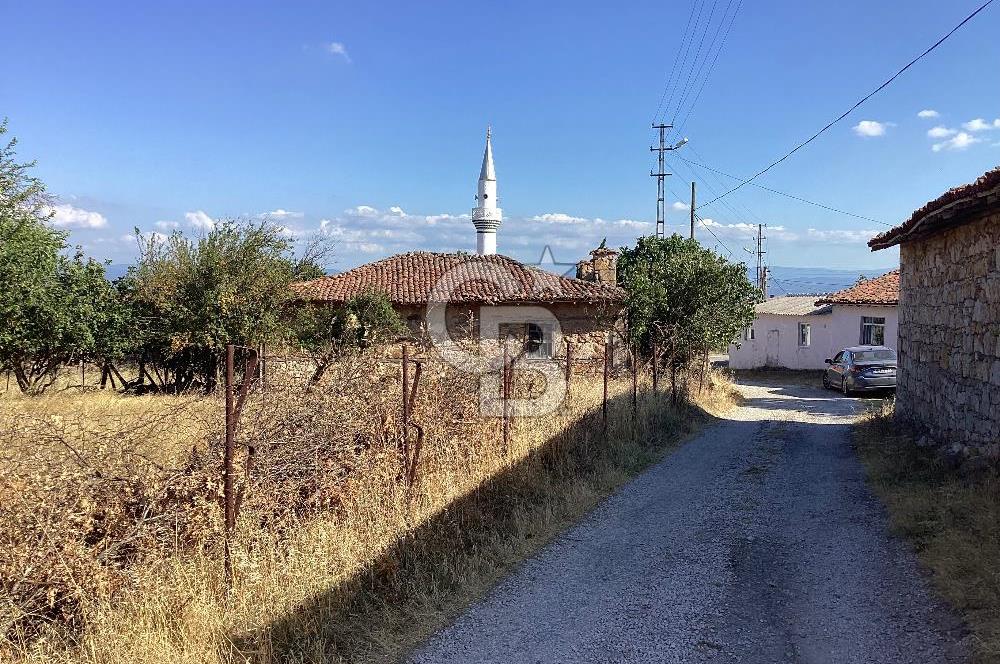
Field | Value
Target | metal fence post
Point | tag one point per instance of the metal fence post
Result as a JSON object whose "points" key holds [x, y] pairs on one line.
{"points": [[569, 364], [635, 381], [505, 396], [656, 372], [604, 403], [227, 464]]}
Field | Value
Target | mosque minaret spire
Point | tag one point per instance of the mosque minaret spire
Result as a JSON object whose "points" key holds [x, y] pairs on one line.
{"points": [[486, 216]]}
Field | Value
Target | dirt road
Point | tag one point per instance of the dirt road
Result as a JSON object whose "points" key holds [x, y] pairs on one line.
{"points": [[757, 541]]}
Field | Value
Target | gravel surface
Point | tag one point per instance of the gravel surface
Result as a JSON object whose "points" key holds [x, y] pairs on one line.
{"points": [[757, 541]]}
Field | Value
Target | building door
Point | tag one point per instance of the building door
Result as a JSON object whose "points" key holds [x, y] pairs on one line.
{"points": [[772, 359]]}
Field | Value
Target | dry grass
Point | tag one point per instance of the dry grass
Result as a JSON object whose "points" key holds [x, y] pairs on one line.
{"points": [[953, 521], [110, 551]]}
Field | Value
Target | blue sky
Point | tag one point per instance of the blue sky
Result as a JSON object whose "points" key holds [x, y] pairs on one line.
{"points": [[366, 122]]}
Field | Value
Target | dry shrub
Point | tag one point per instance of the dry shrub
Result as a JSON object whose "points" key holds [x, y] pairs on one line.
{"points": [[952, 519], [112, 534]]}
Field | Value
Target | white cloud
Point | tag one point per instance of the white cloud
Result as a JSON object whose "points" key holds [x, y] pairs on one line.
{"points": [[679, 205], [65, 215], [558, 218], [398, 211], [870, 128], [959, 141], [928, 113], [337, 48], [362, 211], [941, 132], [199, 219], [850, 236], [166, 224], [148, 236], [980, 124], [280, 213]]}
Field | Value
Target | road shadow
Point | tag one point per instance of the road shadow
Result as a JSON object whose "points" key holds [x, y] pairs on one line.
{"points": [[426, 579]]}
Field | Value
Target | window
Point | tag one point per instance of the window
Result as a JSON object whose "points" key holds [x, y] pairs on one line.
{"points": [[748, 333], [539, 344], [805, 331], [874, 355], [872, 331], [839, 357]]}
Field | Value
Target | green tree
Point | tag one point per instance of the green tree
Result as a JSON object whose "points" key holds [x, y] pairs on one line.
{"points": [[195, 295], [53, 306], [327, 332], [683, 297]]}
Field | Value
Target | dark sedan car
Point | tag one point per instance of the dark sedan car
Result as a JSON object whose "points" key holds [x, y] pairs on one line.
{"points": [[862, 369]]}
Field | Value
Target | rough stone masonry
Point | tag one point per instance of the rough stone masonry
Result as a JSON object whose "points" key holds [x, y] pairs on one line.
{"points": [[949, 317]]}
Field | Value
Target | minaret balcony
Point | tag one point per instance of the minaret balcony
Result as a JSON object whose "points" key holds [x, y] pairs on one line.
{"points": [[487, 214]]}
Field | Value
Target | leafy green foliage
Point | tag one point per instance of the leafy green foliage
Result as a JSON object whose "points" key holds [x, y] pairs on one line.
{"points": [[680, 293], [55, 308], [327, 332], [198, 294]]}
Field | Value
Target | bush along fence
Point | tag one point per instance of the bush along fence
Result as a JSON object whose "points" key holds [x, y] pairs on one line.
{"points": [[245, 376]]}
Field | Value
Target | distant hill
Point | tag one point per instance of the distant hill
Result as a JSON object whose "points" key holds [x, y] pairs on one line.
{"points": [[812, 280]]}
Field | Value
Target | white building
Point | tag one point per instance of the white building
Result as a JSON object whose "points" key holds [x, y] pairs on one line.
{"points": [[800, 332]]}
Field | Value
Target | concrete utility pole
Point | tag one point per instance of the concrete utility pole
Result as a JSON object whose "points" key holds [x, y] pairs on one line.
{"points": [[692, 210], [660, 173], [761, 268]]}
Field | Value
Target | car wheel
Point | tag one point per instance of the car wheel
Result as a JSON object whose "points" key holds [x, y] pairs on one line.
{"points": [[844, 388], [826, 381]]}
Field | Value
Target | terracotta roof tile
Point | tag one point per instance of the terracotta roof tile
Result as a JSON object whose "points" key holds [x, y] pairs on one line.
{"points": [[882, 290], [952, 208], [411, 278]]}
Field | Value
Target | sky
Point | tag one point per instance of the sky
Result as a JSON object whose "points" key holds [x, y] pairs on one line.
{"points": [[365, 122]]}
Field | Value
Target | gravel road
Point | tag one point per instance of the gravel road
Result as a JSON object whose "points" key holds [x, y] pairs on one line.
{"points": [[757, 541]]}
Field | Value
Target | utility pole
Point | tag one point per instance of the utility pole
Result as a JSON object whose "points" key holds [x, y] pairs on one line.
{"points": [[692, 210], [761, 268], [660, 173]]}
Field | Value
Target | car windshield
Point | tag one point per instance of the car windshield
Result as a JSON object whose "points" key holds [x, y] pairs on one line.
{"points": [[869, 355]]}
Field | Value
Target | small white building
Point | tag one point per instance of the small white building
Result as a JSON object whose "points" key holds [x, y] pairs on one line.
{"points": [[802, 331]]}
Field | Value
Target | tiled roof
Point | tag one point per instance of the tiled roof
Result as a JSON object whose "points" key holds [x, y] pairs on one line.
{"points": [[882, 290], [791, 305], [953, 208], [413, 278]]}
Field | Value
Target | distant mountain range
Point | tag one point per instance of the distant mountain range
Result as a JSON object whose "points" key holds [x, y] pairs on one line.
{"points": [[783, 280], [812, 280]]}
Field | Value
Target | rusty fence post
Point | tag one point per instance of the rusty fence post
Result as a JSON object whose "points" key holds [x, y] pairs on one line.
{"points": [[604, 402], [635, 381], [656, 363], [227, 464], [410, 456], [505, 396], [569, 365]]}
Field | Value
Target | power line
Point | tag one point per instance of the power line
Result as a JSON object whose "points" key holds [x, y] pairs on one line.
{"points": [[782, 193], [715, 60], [697, 56], [857, 104], [673, 67], [717, 238]]}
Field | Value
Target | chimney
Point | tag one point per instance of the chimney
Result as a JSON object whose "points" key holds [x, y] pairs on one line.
{"points": [[601, 268]]}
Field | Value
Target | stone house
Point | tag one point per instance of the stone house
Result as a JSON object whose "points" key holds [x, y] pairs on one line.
{"points": [[801, 331], [540, 308], [949, 314]]}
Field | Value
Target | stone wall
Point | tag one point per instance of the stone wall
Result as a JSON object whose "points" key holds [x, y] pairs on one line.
{"points": [[584, 326], [949, 334]]}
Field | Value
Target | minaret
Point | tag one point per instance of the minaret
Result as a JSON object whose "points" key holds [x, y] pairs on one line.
{"points": [[486, 216]]}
